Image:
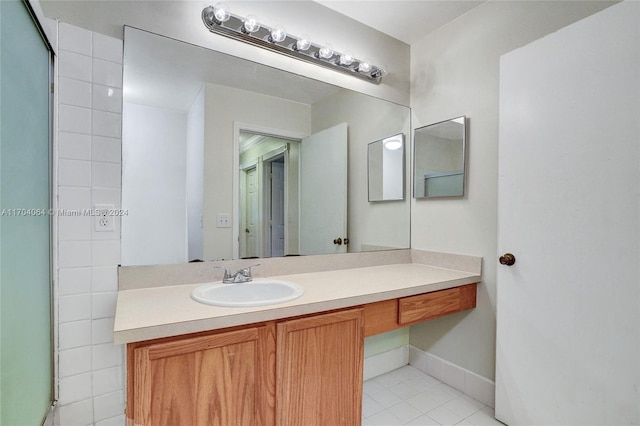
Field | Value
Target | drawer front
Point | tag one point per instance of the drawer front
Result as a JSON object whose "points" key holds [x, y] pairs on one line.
{"points": [[427, 306], [380, 317]]}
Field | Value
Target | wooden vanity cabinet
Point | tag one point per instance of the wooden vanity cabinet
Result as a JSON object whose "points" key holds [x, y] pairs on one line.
{"points": [[224, 378], [296, 371], [319, 370]]}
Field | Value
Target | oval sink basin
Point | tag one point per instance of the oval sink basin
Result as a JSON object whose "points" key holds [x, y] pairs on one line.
{"points": [[258, 292]]}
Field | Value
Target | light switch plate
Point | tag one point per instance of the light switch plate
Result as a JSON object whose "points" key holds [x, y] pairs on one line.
{"points": [[223, 220]]}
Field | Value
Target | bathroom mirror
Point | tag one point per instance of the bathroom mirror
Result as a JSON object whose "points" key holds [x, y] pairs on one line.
{"points": [[198, 125], [439, 159], [386, 169]]}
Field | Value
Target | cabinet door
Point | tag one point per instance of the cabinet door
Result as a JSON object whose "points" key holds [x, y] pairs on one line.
{"points": [[222, 379], [319, 370]]}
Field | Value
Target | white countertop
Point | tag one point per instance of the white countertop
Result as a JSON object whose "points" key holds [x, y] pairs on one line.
{"points": [[151, 313]]}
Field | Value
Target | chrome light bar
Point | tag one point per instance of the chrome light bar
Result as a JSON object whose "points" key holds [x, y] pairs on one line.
{"points": [[220, 21]]}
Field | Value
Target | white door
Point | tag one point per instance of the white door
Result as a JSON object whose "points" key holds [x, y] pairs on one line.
{"points": [[277, 208], [568, 309], [251, 217], [323, 191]]}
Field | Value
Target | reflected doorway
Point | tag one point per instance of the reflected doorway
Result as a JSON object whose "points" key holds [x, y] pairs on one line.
{"points": [[268, 198]]}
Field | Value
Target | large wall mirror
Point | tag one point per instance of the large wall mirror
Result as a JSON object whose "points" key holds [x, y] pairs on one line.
{"points": [[224, 158], [439, 159]]}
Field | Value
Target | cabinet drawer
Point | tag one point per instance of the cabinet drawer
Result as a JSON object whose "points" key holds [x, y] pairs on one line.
{"points": [[427, 306]]}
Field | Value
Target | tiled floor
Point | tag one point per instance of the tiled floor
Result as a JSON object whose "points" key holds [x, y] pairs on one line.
{"points": [[407, 396]]}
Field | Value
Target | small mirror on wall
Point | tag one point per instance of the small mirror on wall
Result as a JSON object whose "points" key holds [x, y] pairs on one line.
{"points": [[439, 159], [386, 169]]}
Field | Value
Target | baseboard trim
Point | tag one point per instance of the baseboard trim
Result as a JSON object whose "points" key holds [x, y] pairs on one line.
{"points": [[477, 387], [385, 362]]}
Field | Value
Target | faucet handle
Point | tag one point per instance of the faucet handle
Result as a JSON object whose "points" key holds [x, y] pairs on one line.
{"points": [[227, 273], [246, 271]]}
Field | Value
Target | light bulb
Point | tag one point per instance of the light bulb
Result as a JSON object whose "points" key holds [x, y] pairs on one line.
{"points": [[278, 34], [326, 51], [303, 43], [364, 66], [251, 24], [346, 58], [221, 12], [378, 72]]}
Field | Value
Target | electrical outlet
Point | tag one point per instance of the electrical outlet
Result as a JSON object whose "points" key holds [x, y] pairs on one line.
{"points": [[223, 220], [103, 217]]}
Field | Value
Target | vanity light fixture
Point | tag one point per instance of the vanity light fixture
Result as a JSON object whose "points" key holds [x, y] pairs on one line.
{"points": [[219, 20]]}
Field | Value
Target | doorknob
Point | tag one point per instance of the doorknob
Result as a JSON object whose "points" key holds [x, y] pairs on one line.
{"points": [[337, 241], [507, 259]]}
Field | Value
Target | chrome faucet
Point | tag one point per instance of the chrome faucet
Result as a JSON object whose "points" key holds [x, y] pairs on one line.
{"points": [[242, 276]]}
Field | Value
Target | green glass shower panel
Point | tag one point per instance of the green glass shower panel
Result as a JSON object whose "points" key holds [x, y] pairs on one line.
{"points": [[25, 290]]}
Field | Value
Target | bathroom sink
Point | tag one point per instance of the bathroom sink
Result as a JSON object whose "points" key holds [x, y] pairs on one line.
{"points": [[258, 292]]}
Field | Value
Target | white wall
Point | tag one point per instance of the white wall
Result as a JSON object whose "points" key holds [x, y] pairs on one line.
{"points": [[195, 176], [154, 231], [455, 72]]}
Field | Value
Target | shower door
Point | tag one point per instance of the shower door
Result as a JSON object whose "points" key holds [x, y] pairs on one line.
{"points": [[25, 291]]}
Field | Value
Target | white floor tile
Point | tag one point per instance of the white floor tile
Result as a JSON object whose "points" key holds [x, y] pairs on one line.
{"points": [[423, 420], [445, 417], [370, 407], [371, 387], [404, 411], [386, 398], [404, 390], [384, 418], [410, 397], [463, 406], [387, 380], [484, 417], [425, 401]]}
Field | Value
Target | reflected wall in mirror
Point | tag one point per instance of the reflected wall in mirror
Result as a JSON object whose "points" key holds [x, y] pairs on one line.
{"points": [[187, 166], [439, 159], [386, 169]]}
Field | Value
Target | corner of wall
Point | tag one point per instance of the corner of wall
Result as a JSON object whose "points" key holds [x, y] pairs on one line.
{"points": [[87, 153]]}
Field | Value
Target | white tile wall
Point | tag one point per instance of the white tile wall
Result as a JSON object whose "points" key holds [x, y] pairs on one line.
{"points": [[89, 93], [74, 146], [76, 414]]}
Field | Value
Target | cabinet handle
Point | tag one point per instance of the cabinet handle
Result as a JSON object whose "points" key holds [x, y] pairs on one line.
{"points": [[338, 241]]}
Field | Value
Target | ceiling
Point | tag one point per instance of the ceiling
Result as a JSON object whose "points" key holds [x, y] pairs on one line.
{"points": [[405, 20]]}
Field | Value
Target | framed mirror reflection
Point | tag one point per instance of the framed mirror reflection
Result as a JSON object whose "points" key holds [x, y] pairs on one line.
{"points": [[439, 152], [386, 172]]}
